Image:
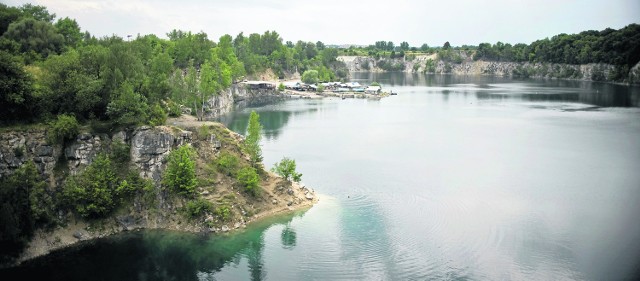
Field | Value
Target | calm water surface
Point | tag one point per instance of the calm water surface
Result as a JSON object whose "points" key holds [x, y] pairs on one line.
{"points": [[455, 178]]}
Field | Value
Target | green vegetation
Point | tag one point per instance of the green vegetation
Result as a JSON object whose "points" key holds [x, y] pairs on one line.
{"points": [[223, 212], [286, 168], [64, 128], [25, 204], [92, 194], [197, 208], [248, 178], [320, 88], [281, 87], [180, 175], [310, 77], [227, 164], [251, 143]]}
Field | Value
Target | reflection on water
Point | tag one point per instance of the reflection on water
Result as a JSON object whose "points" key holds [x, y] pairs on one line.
{"points": [[498, 88], [159, 255], [272, 120]]}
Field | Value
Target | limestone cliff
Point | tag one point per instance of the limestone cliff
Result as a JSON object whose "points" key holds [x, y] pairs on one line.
{"points": [[238, 95], [467, 66]]}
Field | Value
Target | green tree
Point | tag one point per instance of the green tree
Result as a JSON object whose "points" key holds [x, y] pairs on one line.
{"points": [[7, 16], [286, 168], [248, 178], [404, 46], [38, 39], [92, 194], [68, 88], [180, 175], [281, 87], [127, 107], [310, 77], [40, 13], [16, 90], [70, 30], [24, 204], [252, 141]]}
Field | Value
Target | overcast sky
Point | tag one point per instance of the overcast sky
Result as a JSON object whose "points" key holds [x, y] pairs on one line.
{"points": [[351, 22]]}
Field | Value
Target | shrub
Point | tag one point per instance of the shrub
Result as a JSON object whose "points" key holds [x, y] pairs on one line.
{"points": [[227, 164], [310, 77], [180, 175], [248, 178], [223, 212], [197, 208], [281, 87], [203, 132], [286, 168], [173, 109], [65, 128], [93, 193], [320, 88], [157, 116]]}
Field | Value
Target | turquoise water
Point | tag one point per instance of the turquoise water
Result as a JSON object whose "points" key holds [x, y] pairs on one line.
{"points": [[455, 178]]}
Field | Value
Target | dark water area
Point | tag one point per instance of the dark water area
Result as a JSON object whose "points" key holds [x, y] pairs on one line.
{"points": [[455, 178]]}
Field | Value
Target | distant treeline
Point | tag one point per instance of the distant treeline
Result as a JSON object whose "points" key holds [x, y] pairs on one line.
{"points": [[616, 47], [50, 67]]}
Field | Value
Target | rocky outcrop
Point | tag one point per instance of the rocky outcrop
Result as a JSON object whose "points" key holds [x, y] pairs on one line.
{"points": [[238, 95], [81, 152], [149, 147], [634, 74], [18, 147]]}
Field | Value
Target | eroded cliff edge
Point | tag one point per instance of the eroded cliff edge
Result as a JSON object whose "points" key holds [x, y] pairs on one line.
{"points": [[148, 151]]}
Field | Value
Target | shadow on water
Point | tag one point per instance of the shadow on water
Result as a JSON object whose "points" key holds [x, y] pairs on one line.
{"points": [[273, 121], [157, 255], [500, 88]]}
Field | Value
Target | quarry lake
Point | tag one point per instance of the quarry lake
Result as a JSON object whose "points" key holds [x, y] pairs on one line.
{"points": [[455, 178]]}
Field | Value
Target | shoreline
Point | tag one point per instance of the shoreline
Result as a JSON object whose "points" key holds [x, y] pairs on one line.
{"points": [[46, 242]]}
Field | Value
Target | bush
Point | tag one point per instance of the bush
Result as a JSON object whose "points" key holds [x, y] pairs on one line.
{"points": [[286, 168], [157, 116], [223, 212], [203, 132], [132, 184], [320, 88], [93, 193], [173, 109], [310, 77], [248, 178], [281, 87], [65, 128], [227, 164], [197, 208], [180, 175]]}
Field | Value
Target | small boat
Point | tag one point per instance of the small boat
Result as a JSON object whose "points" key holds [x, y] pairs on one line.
{"points": [[393, 94]]}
